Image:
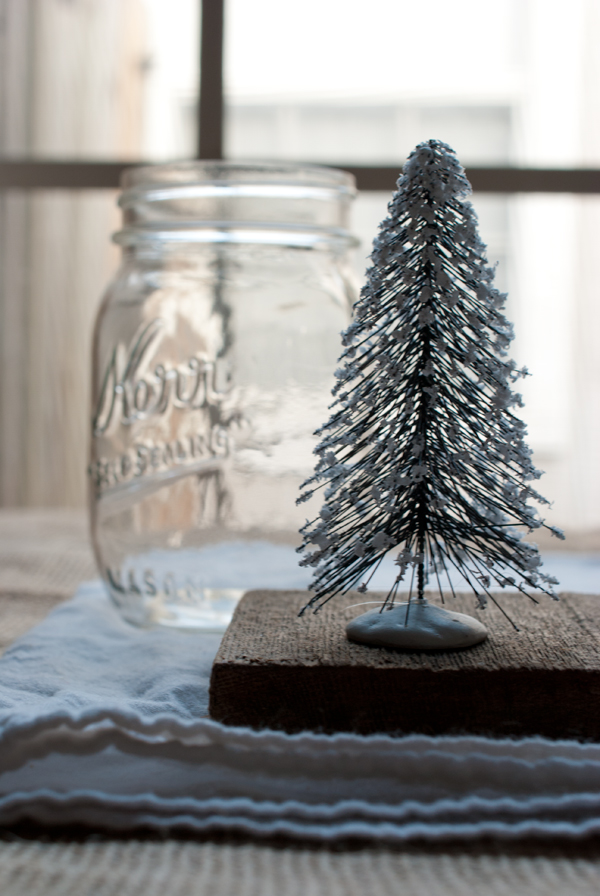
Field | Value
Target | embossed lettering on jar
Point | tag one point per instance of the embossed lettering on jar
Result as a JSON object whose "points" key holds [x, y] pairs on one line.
{"points": [[214, 353]]}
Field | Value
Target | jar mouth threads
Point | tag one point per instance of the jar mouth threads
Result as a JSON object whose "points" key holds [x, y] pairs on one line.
{"points": [[243, 173], [220, 232], [218, 190], [237, 202]]}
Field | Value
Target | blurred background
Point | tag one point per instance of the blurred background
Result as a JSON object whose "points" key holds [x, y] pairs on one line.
{"points": [[509, 84]]}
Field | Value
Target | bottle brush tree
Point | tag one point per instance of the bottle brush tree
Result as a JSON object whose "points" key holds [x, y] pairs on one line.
{"points": [[423, 453]]}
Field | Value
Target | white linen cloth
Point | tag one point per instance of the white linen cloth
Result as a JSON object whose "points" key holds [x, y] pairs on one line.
{"points": [[104, 724]]}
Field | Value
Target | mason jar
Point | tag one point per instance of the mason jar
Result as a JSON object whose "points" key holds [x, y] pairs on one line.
{"points": [[213, 360]]}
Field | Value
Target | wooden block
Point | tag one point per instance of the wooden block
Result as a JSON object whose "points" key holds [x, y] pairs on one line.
{"points": [[279, 670]]}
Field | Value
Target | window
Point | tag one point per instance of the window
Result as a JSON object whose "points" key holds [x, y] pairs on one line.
{"points": [[513, 85]]}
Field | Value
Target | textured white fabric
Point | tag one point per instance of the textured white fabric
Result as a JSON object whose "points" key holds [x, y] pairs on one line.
{"points": [[101, 723]]}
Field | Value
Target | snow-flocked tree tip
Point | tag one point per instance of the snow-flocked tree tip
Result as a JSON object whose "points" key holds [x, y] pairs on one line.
{"points": [[423, 453]]}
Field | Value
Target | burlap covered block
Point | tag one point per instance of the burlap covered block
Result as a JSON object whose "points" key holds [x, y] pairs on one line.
{"points": [[280, 670]]}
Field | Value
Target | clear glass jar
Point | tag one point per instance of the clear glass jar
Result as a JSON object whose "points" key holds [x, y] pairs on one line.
{"points": [[214, 353]]}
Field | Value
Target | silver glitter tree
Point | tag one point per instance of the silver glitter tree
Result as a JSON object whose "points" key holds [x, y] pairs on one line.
{"points": [[423, 453]]}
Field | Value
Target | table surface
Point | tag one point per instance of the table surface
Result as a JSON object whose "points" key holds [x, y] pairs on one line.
{"points": [[44, 554]]}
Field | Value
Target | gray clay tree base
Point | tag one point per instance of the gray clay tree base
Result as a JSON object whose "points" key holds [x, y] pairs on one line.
{"points": [[417, 625]]}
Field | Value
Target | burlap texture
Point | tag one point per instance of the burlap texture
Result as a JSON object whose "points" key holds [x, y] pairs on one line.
{"points": [[44, 556], [138, 868], [44, 551]]}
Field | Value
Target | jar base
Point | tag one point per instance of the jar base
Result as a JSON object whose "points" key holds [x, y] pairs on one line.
{"points": [[210, 615]]}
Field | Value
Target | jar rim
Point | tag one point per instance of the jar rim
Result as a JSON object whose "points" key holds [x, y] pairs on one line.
{"points": [[195, 173]]}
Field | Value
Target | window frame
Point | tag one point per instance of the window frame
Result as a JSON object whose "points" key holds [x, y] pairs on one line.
{"points": [[30, 174]]}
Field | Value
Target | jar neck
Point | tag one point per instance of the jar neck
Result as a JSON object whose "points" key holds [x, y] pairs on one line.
{"points": [[225, 202]]}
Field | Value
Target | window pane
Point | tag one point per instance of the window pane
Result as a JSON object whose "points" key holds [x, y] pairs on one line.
{"points": [[86, 79], [99, 79], [503, 82], [56, 259]]}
